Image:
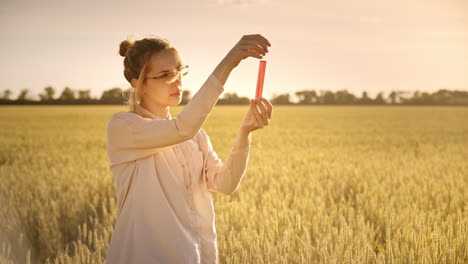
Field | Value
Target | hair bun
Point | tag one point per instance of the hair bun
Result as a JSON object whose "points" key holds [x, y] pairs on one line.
{"points": [[124, 46]]}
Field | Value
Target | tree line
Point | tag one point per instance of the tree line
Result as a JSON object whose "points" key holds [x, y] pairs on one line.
{"points": [[117, 96], [113, 96]]}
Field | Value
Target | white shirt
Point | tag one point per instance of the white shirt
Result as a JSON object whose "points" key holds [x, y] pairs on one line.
{"points": [[163, 171]]}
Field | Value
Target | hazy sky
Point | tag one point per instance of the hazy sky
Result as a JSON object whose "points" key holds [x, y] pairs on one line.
{"points": [[357, 45]]}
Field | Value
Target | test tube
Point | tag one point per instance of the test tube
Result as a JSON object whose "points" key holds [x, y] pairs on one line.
{"points": [[260, 78]]}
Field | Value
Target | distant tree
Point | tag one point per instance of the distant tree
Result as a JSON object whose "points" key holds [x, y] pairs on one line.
{"points": [[280, 99], [404, 97], [84, 97], [415, 99], [426, 98], [423, 98], [6, 94], [185, 97], [344, 97], [112, 96], [23, 95], [393, 97], [48, 94], [307, 97], [459, 97], [365, 99], [233, 98], [328, 97], [67, 95], [84, 94], [442, 96], [379, 99]]}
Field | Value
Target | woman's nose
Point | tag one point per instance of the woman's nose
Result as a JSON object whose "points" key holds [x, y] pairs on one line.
{"points": [[179, 77], [177, 80]]}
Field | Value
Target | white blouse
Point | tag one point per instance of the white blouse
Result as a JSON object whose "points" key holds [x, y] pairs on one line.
{"points": [[163, 171]]}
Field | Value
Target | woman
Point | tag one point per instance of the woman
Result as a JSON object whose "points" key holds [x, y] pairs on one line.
{"points": [[164, 167]]}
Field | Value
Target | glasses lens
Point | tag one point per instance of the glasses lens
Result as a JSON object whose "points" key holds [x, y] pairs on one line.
{"points": [[172, 77]]}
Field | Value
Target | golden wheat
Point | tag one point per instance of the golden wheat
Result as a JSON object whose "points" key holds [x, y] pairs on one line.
{"points": [[324, 185]]}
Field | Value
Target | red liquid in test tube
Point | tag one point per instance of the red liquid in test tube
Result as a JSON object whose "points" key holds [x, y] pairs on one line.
{"points": [[260, 78]]}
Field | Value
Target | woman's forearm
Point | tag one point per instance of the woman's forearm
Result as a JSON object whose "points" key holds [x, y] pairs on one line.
{"points": [[243, 139], [222, 71], [236, 163]]}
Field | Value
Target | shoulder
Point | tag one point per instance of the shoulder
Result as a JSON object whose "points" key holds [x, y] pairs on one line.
{"points": [[122, 118], [124, 115]]}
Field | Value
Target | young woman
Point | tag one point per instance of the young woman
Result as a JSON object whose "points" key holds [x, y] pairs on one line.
{"points": [[164, 167]]}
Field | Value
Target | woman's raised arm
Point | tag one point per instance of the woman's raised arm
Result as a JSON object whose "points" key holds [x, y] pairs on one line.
{"points": [[131, 136]]}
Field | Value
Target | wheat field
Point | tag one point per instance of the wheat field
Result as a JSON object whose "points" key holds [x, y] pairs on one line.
{"points": [[325, 184]]}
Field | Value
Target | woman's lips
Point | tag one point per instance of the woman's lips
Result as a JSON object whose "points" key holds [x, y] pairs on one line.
{"points": [[175, 94]]}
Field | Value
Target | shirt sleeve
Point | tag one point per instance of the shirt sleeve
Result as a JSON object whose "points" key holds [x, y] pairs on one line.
{"points": [[131, 136], [225, 177]]}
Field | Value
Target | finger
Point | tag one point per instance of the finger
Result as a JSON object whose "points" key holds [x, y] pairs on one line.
{"points": [[257, 115], [259, 38], [252, 47], [258, 51], [264, 40], [255, 43], [252, 54], [264, 112], [268, 105]]}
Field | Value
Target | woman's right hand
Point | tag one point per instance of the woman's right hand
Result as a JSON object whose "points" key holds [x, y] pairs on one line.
{"points": [[248, 46]]}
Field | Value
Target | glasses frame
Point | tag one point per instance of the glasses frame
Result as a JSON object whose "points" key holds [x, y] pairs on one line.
{"points": [[176, 74]]}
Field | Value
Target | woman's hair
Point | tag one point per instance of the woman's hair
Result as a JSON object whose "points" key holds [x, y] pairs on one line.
{"points": [[137, 55]]}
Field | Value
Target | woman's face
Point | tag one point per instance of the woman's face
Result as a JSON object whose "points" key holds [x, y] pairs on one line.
{"points": [[160, 91]]}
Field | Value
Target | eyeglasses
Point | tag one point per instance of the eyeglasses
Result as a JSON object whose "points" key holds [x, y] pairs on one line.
{"points": [[172, 76]]}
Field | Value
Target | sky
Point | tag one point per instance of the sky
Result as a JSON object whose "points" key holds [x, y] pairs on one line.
{"points": [[361, 45]]}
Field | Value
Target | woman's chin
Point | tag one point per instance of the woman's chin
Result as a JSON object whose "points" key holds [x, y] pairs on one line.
{"points": [[175, 102]]}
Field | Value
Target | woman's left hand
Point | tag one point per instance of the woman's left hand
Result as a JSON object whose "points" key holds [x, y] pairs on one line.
{"points": [[255, 118]]}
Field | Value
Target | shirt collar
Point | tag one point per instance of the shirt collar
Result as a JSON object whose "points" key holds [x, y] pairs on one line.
{"points": [[145, 113]]}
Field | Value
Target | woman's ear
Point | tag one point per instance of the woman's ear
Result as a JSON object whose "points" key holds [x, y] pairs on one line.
{"points": [[133, 82]]}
